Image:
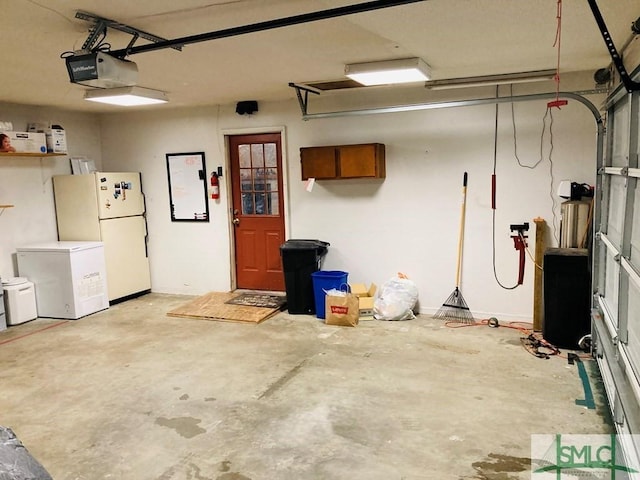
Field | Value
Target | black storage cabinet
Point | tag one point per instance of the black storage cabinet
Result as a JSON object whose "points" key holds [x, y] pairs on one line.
{"points": [[300, 258], [567, 296]]}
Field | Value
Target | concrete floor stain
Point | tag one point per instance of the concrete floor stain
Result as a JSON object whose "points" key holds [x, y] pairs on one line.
{"points": [[498, 467], [225, 466], [232, 476], [184, 426]]}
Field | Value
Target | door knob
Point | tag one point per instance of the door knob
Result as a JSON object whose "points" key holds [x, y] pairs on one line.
{"points": [[236, 221]]}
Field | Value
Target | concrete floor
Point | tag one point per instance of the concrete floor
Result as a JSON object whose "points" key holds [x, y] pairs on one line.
{"points": [[130, 393]]}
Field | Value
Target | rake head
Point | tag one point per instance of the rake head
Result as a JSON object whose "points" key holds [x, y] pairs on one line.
{"points": [[455, 309]]}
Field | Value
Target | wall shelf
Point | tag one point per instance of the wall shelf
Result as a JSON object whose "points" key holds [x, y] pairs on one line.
{"points": [[6, 206], [22, 154]]}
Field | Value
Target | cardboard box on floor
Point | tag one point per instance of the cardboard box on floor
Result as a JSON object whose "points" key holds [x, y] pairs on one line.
{"points": [[365, 298]]}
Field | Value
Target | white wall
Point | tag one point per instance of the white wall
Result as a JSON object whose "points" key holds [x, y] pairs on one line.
{"points": [[407, 223], [26, 181]]}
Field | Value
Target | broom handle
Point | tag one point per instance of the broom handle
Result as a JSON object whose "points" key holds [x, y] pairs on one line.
{"points": [[461, 236]]}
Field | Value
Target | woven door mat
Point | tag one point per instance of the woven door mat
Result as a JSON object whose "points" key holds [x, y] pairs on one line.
{"points": [[258, 300]]}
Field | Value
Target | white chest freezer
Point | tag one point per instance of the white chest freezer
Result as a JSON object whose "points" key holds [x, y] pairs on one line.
{"points": [[70, 278]]}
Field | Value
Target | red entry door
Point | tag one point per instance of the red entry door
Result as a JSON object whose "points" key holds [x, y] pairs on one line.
{"points": [[258, 210]]}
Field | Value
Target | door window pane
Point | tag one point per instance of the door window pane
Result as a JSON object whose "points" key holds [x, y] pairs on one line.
{"points": [[259, 179], [274, 205], [270, 155], [244, 154], [257, 155], [247, 202]]}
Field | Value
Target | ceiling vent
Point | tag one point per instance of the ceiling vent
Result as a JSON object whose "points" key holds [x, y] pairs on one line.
{"points": [[334, 85]]}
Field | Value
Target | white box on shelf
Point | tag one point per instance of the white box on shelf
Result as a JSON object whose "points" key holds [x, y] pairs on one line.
{"points": [[27, 142], [56, 140]]}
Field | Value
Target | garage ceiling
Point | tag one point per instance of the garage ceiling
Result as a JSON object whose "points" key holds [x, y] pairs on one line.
{"points": [[457, 38]]}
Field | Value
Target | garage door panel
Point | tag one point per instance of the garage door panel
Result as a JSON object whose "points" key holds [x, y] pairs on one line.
{"points": [[620, 134]]}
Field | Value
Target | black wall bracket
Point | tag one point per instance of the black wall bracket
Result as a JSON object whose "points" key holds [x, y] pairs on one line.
{"points": [[303, 102], [628, 83]]}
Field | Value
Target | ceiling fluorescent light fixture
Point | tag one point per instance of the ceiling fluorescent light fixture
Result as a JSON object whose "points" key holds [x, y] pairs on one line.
{"points": [[126, 96], [503, 79], [405, 70]]}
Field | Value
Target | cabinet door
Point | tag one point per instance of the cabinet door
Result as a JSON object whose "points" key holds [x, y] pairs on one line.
{"points": [[318, 162], [357, 161]]}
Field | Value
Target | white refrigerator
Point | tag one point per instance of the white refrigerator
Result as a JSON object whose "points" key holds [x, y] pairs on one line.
{"points": [[108, 207], [69, 278]]}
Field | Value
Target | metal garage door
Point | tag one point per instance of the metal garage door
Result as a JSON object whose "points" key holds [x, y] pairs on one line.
{"points": [[616, 312]]}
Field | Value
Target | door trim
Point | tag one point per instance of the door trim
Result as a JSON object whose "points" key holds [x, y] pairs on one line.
{"points": [[228, 184]]}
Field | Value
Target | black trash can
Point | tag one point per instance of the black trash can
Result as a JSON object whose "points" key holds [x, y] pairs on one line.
{"points": [[300, 258]]}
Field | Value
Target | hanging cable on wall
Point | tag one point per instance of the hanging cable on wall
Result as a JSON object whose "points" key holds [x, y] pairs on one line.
{"points": [[547, 124], [520, 239], [493, 199], [555, 222]]}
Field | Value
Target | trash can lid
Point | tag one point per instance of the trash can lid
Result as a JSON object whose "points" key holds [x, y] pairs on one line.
{"points": [[304, 244], [11, 281]]}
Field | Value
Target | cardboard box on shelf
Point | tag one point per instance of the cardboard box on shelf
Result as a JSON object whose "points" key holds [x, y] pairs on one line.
{"points": [[27, 142], [55, 136], [365, 298], [56, 140]]}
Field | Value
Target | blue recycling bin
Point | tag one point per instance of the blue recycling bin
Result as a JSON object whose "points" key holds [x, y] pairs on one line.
{"points": [[326, 280]]}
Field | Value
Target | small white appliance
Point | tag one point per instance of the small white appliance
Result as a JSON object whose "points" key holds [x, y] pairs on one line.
{"points": [[19, 300], [70, 278], [564, 189]]}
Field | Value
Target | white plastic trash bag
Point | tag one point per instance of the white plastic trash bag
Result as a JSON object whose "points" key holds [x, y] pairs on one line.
{"points": [[396, 299]]}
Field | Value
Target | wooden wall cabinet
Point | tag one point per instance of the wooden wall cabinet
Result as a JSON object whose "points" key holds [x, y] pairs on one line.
{"points": [[343, 161]]}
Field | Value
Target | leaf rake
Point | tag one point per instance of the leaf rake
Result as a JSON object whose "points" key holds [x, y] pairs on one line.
{"points": [[454, 308]]}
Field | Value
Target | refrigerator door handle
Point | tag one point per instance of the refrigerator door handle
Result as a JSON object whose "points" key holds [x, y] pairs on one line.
{"points": [[146, 237]]}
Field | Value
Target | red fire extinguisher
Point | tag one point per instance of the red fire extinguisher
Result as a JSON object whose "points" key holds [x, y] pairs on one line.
{"points": [[215, 186]]}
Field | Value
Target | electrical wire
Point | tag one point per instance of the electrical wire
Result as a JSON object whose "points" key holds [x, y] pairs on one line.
{"points": [[548, 113], [555, 220], [529, 251], [37, 4], [515, 135], [102, 46], [190, 10], [495, 273], [515, 138], [531, 341], [493, 223]]}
